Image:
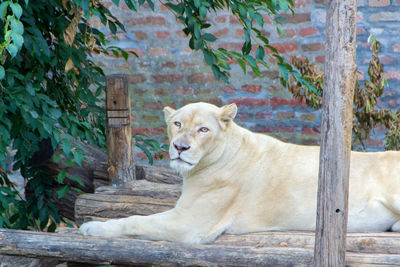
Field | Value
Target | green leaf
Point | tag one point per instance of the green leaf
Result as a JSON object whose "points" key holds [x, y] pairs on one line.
{"points": [[259, 19], [209, 57], [2, 73], [281, 31], [131, 4], [116, 2], [77, 179], [151, 4], [260, 52], [16, 9], [209, 37], [63, 191], [3, 10], [12, 49], [18, 40], [61, 176], [203, 12], [178, 8], [17, 26]]}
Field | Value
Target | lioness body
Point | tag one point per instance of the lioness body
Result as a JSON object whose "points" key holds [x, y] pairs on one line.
{"points": [[237, 181]]}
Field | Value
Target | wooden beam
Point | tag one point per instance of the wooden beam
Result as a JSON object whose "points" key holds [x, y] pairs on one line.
{"points": [[266, 249], [121, 161], [336, 125], [141, 198]]}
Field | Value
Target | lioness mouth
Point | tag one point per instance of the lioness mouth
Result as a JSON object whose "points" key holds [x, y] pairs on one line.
{"points": [[181, 160]]}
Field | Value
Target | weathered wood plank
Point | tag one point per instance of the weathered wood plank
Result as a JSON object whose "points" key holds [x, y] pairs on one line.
{"points": [[267, 249], [121, 160], [336, 124], [141, 198]]}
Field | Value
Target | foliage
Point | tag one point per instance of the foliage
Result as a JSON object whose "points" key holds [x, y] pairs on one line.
{"points": [[150, 147], [193, 14], [49, 90], [366, 114]]}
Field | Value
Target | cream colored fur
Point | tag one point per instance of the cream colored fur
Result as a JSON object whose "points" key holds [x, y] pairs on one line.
{"points": [[237, 181]]}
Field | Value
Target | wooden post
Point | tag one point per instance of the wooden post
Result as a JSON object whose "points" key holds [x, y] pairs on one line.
{"points": [[336, 124], [121, 161]]}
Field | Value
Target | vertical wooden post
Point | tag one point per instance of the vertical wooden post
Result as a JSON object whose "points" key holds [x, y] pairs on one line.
{"points": [[336, 125], [121, 161]]}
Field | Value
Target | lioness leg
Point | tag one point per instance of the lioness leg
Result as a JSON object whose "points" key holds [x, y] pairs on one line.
{"points": [[169, 225]]}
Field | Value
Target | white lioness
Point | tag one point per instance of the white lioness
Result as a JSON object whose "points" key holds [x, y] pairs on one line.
{"points": [[236, 181]]}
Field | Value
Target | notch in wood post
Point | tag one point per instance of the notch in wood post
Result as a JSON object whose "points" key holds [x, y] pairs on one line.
{"points": [[120, 147]]}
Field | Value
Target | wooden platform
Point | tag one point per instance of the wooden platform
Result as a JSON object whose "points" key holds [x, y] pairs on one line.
{"points": [[266, 249]]}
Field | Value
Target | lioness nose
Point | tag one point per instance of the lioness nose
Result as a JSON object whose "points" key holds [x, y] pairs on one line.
{"points": [[181, 147]]}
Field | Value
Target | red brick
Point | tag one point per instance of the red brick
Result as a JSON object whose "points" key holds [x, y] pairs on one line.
{"points": [[162, 34], [313, 47], [161, 92], [264, 116], [169, 64], [159, 51], [233, 20], [136, 78], [274, 129], [181, 34], [378, 3], [251, 102], [150, 20], [289, 33], [157, 131], [239, 32], [308, 31], [140, 35], [285, 47], [220, 19], [251, 88], [311, 131], [170, 78], [201, 78], [301, 3], [297, 18], [183, 90], [228, 89], [267, 18], [360, 30], [320, 59], [386, 60], [141, 130], [279, 101], [232, 46], [320, 1], [221, 32], [188, 64], [392, 75]]}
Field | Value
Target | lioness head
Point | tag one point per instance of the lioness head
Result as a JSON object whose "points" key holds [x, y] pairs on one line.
{"points": [[197, 134]]}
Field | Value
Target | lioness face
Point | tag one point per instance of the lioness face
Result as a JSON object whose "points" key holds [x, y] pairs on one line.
{"points": [[196, 134]]}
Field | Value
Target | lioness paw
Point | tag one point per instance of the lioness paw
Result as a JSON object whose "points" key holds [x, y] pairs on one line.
{"points": [[104, 229]]}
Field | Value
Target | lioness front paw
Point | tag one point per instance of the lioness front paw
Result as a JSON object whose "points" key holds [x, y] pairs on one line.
{"points": [[104, 229]]}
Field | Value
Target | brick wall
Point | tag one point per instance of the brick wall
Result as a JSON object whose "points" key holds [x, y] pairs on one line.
{"points": [[169, 73]]}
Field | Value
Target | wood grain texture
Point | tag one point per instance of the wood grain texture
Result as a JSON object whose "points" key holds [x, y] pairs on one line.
{"points": [[266, 249], [336, 125], [121, 161], [141, 198]]}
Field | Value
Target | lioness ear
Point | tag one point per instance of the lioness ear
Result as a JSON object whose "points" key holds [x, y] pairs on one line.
{"points": [[228, 113], [168, 113]]}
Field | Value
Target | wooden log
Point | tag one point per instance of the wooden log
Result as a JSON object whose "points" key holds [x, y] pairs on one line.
{"points": [[336, 125], [121, 160], [141, 198], [266, 249]]}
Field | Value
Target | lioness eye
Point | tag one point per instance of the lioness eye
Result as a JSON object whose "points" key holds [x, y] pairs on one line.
{"points": [[204, 129], [177, 124]]}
